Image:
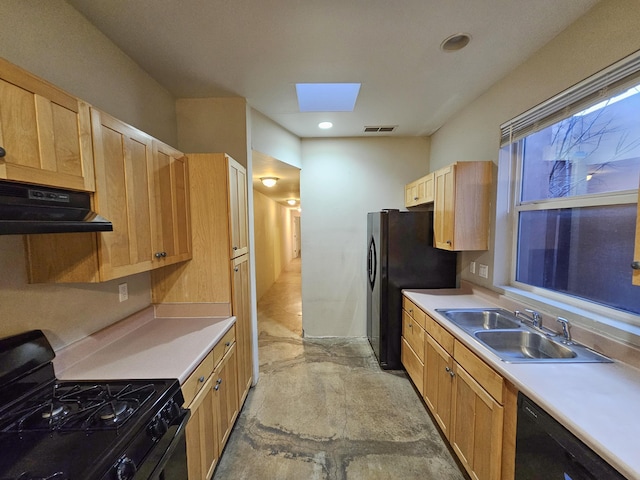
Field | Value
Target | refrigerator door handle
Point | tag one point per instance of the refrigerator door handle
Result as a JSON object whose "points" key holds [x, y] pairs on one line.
{"points": [[373, 262]]}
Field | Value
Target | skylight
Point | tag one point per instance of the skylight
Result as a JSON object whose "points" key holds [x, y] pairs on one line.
{"points": [[327, 97]]}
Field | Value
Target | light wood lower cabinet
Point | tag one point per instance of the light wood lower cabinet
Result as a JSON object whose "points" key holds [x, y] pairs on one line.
{"points": [[211, 393], [438, 384], [241, 309], [471, 403]]}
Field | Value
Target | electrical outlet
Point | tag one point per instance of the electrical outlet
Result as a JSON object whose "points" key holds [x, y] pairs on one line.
{"points": [[123, 292], [483, 271], [472, 267]]}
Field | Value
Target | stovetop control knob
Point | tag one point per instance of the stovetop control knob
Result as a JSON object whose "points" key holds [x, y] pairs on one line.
{"points": [[158, 428], [125, 469], [173, 410]]}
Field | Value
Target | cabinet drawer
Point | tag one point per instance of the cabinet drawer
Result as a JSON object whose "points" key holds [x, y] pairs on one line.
{"points": [[413, 334], [224, 345], [440, 335], [415, 312], [482, 373], [197, 379], [413, 365]]}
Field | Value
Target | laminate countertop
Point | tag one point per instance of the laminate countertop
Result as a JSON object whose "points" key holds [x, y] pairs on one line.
{"points": [[142, 346], [597, 402]]}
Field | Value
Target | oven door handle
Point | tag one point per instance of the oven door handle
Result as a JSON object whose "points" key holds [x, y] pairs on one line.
{"points": [[177, 437]]}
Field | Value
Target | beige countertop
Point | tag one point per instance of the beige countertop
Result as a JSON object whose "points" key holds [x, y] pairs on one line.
{"points": [[598, 402], [142, 346]]}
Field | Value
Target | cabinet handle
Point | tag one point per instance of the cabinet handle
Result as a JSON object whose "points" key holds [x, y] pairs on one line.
{"points": [[635, 265], [448, 242], [164, 254], [216, 387], [236, 269], [449, 371], [235, 248], [219, 381], [227, 344], [411, 311], [3, 152], [158, 254], [415, 198], [201, 379]]}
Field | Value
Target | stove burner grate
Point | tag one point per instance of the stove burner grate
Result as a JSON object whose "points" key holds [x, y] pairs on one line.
{"points": [[80, 407]]}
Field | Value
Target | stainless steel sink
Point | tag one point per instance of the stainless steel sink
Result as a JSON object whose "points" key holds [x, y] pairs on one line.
{"points": [[515, 342], [481, 318], [523, 344]]}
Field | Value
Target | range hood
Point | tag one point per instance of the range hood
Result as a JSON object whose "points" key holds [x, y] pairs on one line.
{"points": [[26, 209]]}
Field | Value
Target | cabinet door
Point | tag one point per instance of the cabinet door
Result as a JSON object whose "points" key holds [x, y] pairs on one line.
{"points": [[202, 435], [238, 208], [170, 192], [438, 383], [226, 394], [412, 364], [444, 205], [122, 155], [476, 434], [411, 194], [45, 133], [426, 188], [241, 309]]}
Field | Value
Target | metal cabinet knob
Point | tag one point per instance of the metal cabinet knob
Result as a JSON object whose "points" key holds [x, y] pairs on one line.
{"points": [[448, 242], [3, 152], [235, 248], [227, 344], [201, 379], [216, 387], [219, 381], [635, 265], [160, 254]]}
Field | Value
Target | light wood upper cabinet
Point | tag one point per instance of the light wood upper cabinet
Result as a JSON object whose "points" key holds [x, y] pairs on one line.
{"points": [[238, 208], [420, 191], [45, 133], [142, 188], [461, 206], [170, 192]]}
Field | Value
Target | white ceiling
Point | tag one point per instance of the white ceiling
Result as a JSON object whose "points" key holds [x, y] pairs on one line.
{"points": [[259, 49]]}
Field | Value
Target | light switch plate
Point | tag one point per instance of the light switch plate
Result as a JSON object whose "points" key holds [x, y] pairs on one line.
{"points": [[472, 267], [483, 271], [123, 292]]}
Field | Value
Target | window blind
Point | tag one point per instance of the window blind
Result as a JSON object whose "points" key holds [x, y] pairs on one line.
{"points": [[617, 77]]}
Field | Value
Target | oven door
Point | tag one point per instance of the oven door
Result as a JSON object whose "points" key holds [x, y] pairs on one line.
{"points": [[168, 459]]}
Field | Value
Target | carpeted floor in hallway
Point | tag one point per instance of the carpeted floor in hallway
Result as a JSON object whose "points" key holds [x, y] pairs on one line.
{"points": [[323, 409]]}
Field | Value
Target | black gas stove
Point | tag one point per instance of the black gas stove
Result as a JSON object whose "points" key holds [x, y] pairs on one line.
{"points": [[85, 430]]}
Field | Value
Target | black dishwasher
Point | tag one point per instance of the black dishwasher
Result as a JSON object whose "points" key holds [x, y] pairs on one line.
{"points": [[545, 450]]}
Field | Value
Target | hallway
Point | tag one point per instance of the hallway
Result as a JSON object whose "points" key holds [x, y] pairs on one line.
{"points": [[323, 409]]}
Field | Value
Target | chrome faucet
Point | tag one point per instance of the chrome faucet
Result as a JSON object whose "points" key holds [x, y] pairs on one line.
{"points": [[565, 330], [534, 318]]}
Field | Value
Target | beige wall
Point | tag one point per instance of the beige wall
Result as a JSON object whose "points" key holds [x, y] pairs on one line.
{"points": [[273, 241], [341, 181], [52, 40], [604, 35], [208, 125]]}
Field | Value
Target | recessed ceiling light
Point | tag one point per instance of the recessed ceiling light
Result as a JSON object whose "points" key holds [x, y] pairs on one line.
{"points": [[291, 201], [325, 125], [455, 42]]}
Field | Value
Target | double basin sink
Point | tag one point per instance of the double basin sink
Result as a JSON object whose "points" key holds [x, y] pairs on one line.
{"points": [[515, 342]]}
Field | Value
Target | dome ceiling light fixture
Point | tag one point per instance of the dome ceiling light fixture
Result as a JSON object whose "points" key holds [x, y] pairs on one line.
{"points": [[291, 201], [325, 125], [455, 42], [269, 181]]}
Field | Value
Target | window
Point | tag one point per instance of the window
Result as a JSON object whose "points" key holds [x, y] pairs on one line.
{"points": [[576, 162]]}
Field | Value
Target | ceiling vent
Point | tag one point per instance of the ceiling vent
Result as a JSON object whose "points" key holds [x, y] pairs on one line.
{"points": [[380, 129]]}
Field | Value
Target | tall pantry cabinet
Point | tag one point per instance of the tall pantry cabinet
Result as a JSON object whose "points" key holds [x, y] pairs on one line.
{"points": [[216, 281]]}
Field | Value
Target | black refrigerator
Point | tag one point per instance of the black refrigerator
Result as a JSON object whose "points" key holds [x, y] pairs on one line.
{"points": [[400, 255]]}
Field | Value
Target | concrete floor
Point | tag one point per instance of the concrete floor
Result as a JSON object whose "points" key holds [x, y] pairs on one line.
{"points": [[323, 409]]}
